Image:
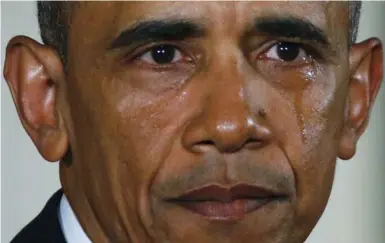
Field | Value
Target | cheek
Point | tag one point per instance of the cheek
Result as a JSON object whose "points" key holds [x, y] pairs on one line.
{"points": [[117, 139], [316, 112], [149, 132], [305, 113], [323, 115]]}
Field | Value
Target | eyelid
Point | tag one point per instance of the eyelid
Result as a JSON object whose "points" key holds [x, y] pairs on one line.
{"points": [[148, 54], [313, 52], [137, 52]]}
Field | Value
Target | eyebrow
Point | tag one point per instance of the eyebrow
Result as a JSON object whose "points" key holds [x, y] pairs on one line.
{"points": [[289, 27], [157, 30]]}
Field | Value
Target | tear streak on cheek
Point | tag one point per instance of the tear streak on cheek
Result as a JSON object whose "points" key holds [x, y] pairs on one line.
{"points": [[316, 103]]}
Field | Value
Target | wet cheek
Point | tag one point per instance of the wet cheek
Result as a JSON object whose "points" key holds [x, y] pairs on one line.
{"points": [[297, 103], [149, 128], [281, 117], [316, 103], [312, 94], [320, 109]]}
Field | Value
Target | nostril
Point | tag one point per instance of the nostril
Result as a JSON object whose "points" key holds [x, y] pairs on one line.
{"points": [[203, 146], [254, 144], [206, 142]]}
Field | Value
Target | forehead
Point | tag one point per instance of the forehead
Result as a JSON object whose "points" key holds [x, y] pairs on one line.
{"points": [[116, 16]]}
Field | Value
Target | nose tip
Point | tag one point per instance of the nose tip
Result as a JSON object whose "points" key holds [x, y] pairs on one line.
{"points": [[226, 135], [231, 136]]}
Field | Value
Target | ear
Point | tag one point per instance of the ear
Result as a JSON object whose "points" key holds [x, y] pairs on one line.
{"points": [[366, 63], [33, 73]]}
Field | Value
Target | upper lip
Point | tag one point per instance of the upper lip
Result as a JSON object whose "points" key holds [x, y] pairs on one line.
{"points": [[227, 194]]}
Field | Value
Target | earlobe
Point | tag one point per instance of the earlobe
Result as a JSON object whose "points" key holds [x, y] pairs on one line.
{"points": [[365, 80], [32, 72]]}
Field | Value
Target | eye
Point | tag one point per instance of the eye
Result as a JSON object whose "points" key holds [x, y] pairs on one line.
{"points": [[162, 55], [287, 52]]}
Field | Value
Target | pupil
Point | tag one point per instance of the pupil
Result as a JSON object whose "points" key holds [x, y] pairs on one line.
{"points": [[288, 51], [163, 54]]}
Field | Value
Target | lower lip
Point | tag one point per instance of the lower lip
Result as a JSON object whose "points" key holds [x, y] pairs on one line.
{"points": [[225, 211]]}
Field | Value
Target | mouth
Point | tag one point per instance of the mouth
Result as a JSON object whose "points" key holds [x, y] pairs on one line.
{"points": [[220, 203]]}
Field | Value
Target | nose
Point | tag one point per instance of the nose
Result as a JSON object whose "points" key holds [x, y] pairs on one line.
{"points": [[226, 123]]}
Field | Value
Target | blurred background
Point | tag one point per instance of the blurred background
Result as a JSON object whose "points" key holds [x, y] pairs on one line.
{"points": [[356, 210]]}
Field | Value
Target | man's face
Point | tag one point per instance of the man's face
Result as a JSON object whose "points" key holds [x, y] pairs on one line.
{"points": [[205, 122], [198, 121]]}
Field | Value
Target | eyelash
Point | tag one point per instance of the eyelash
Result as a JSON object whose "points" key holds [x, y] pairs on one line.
{"points": [[137, 52], [311, 50], [135, 55]]}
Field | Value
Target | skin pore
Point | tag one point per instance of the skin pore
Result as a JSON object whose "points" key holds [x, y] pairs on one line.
{"points": [[161, 98]]}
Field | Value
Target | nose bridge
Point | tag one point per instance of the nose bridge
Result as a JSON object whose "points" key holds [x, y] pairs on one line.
{"points": [[226, 105], [226, 120]]}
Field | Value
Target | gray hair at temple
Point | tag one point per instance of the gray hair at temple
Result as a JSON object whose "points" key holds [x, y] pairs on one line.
{"points": [[53, 18], [354, 18]]}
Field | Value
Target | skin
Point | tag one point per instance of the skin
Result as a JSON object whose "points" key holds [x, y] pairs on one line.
{"points": [[225, 113]]}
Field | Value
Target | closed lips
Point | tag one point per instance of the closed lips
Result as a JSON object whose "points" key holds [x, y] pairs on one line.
{"points": [[223, 203]]}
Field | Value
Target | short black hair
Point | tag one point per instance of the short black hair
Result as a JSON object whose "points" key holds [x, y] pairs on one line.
{"points": [[354, 20], [53, 17]]}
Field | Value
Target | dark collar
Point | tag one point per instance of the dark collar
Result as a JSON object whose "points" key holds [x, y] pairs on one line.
{"points": [[45, 228]]}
